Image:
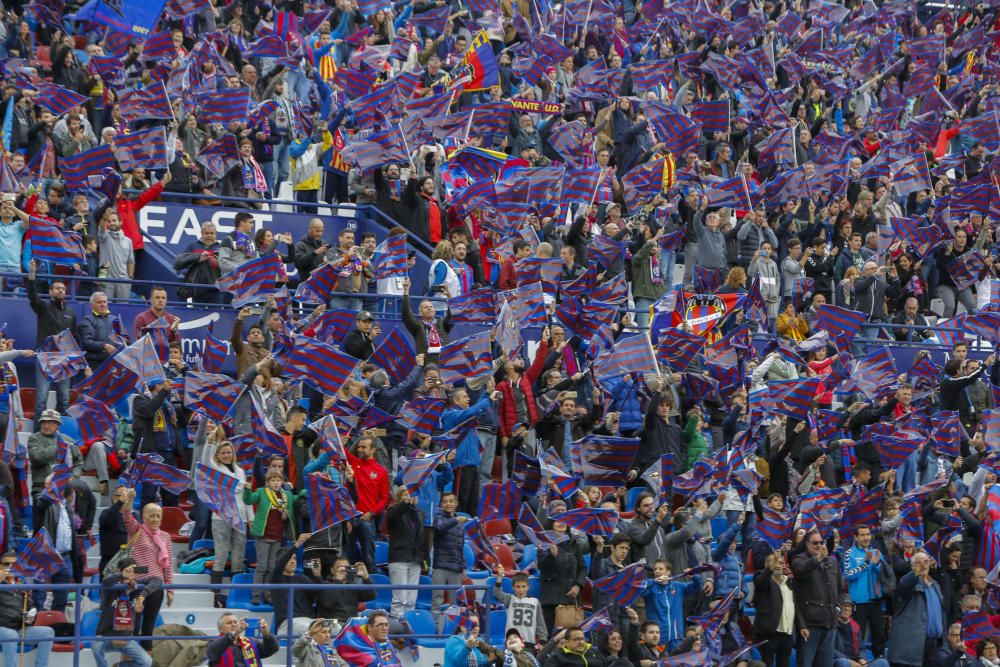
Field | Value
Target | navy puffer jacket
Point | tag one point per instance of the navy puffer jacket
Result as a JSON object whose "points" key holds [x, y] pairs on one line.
{"points": [[449, 543]]}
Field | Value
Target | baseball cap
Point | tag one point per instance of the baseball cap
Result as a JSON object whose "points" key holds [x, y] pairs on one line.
{"points": [[50, 416], [364, 315]]}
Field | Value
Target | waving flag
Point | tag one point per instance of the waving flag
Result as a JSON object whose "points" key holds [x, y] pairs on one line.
{"points": [[211, 394], [140, 357], [416, 471], [624, 586], [329, 502], [38, 560], [590, 520], [475, 307], [394, 355], [110, 383], [57, 99], [895, 450], [61, 475], [151, 468], [507, 331], [322, 366], [967, 269], [479, 65], [613, 292], [252, 281], [481, 547], [794, 397], [59, 357], [390, 257], [677, 348], [873, 373], [145, 148], [825, 504], [599, 621], [421, 414], [947, 433], [585, 319], [227, 106], [214, 354], [865, 510], [629, 355], [775, 528], [152, 102], [500, 501], [218, 491], [93, 418], [220, 156], [466, 359], [50, 243], [604, 460]]}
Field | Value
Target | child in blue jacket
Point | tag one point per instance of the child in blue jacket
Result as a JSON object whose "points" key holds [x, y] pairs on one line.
{"points": [[665, 602]]}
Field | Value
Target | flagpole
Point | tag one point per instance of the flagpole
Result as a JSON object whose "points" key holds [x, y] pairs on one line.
{"points": [[24, 627], [746, 187], [583, 33], [600, 178], [406, 146], [656, 30]]}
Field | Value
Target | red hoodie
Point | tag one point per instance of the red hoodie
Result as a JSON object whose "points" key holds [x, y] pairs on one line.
{"points": [[127, 210], [371, 482]]}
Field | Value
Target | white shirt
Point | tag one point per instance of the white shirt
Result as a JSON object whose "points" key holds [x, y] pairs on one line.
{"points": [[64, 531]]}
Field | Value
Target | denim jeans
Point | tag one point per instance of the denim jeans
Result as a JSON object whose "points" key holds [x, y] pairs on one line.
{"points": [[817, 651], [345, 303], [30, 633], [362, 542], [869, 331], [59, 598], [42, 387], [135, 653], [403, 600], [489, 443]]}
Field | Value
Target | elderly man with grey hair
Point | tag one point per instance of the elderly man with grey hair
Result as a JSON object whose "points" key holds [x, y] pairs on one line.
{"points": [[200, 264], [96, 331], [869, 290], [919, 612]]}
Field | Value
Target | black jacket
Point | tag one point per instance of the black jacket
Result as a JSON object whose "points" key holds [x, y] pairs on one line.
{"points": [[658, 438], [112, 531], [144, 410], [406, 534], [304, 601], [53, 317], [11, 604], [768, 602], [817, 589], [306, 259], [340, 604], [359, 345], [557, 574], [144, 587]]}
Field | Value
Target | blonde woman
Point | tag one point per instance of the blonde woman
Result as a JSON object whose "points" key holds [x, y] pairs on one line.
{"points": [[230, 542]]}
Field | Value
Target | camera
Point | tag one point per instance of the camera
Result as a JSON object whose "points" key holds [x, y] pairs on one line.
{"points": [[352, 570]]}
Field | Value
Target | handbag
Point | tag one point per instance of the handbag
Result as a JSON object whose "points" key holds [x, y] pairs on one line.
{"points": [[124, 552], [569, 615]]}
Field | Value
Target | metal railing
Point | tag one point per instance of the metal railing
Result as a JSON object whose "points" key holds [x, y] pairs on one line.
{"points": [[288, 636]]}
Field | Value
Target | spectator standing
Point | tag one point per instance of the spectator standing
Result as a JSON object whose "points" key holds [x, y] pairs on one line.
{"points": [[16, 621], [919, 612], [468, 455], [238, 248], [113, 534], [151, 548], [53, 316], [351, 266], [200, 264], [562, 575], [303, 601], [230, 541], [11, 239], [449, 552], [406, 552], [360, 342], [116, 258], [430, 332], [311, 250], [770, 286], [157, 309], [868, 574], [273, 523], [817, 591], [370, 483]]}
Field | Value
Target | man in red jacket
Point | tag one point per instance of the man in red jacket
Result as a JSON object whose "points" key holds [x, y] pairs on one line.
{"points": [[368, 482], [128, 208], [517, 400], [508, 276]]}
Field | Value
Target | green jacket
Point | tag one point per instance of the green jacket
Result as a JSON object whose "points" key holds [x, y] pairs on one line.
{"points": [[263, 503], [696, 445], [642, 281]]}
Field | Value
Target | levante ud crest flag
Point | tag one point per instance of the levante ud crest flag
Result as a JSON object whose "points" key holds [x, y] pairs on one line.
{"points": [[480, 63], [702, 312]]}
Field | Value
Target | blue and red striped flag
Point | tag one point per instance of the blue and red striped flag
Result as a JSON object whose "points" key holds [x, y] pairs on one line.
{"points": [[946, 433], [482, 548], [110, 383], [220, 156], [214, 353], [777, 149], [394, 355], [590, 520], [678, 133], [59, 357], [585, 319], [527, 302], [76, 168], [865, 510], [599, 621], [465, 359], [649, 74], [582, 185], [732, 193], [355, 82], [613, 291], [697, 387], [60, 477], [227, 106], [500, 501], [57, 99], [211, 394], [708, 281], [626, 585], [94, 419], [713, 115], [911, 174], [416, 471], [51, 244], [252, 281], [324, 367], [218, 491], [507, 332], [422, 414], [527, 473], [834, 320], [775, 528], [629, 355], [475, 307], [140, 357], [434, 20], [605, 250], [370, 108], [37, 560], [143, 149], [390, 257], [966, 269], [893, 451], [574, 143], [825, 504], [146, 103], [874, 373], [267, 46], [151, 468], [676, 348], [604, 460], [976, 625], [329, 503], [9, 182], [328, 437], [989, 424]]}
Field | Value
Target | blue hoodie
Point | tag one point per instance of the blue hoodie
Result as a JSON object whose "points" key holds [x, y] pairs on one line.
{"points": [[468, 450], [665, 605], [429, 495]]}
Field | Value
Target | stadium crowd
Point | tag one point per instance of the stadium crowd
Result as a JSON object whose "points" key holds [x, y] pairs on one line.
{"points": [[723, 464]]}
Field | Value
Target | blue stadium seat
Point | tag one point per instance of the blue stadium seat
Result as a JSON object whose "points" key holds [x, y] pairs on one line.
{"points": [[498, 626], [250, 555], [470, 557], [719, 525], [529, 557], [507, 585], [88, 625], [425, 595], [95, 593], [240, 598], [422, 623], [632, 494], [383, 597], [381, 554], [204, 544], [534, 586]]}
